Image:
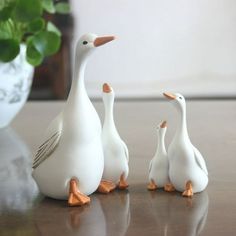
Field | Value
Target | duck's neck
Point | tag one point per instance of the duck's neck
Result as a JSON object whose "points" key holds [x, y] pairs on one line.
{"points": [[161, 149], [77, 87], [182, 132], [109, 123]]}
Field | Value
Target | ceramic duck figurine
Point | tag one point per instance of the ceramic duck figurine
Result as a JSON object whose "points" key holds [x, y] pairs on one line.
{"points": [[116, 154], [187, 169], [158, 168], [69, 163]]}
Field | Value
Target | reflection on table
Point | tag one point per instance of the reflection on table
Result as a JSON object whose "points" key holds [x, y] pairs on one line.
{"points": [[116, 208], [105, 215], [174, 213]]}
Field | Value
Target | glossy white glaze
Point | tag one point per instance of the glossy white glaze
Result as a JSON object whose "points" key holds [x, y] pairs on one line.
{"points": [[116, 154], [158, 167], [72, 147], [185, 161]]}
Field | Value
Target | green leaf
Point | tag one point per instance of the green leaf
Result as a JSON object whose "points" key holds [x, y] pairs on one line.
{"points": [[7, 3], [36, 25], [9, 49], [5, 13], [33, 56], [47, 43], [52, 28], [5, 30], [27, 10], [48, 6], [62, 8]]}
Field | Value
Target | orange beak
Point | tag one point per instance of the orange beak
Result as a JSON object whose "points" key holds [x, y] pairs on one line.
{"points": [[169, 96], [102, 40], [106, 88], [163, 124]]}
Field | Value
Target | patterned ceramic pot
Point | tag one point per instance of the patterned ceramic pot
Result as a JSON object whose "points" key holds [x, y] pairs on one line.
{"points": [[15, 83]]}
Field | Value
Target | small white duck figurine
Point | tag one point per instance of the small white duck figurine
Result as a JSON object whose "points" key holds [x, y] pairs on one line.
{"points": [[116, 156], [158, 167], [69, 163], [187, 169]]}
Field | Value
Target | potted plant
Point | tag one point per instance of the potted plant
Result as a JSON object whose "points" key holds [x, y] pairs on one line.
{"points": [[26, 38]]}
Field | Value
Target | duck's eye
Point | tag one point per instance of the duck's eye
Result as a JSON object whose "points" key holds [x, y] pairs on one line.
{"points": [[85, 42], [180, 97]]}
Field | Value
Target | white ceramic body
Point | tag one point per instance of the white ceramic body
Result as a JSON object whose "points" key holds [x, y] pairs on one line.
{"points": [[183, 167], [79, 153], [185, 162], [115, 150], [15, 83], [159, 165]]}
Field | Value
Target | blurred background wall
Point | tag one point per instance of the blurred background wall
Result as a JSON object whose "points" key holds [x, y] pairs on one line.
{"points": [[187, 46]]}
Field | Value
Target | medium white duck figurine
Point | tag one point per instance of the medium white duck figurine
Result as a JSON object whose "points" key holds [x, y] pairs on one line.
{"points": [[69, 163], [187, 169], [116, 154], [158, 167]]}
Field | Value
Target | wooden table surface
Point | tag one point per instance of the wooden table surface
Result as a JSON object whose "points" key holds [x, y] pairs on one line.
{"points": [[211, 125]]}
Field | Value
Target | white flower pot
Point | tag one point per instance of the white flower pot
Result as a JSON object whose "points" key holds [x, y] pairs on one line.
{"points": [[15, 83]]}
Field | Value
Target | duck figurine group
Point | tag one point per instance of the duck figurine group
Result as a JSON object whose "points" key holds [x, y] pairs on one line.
{"points": [[78, 156], [186, 168], [69, 163]]}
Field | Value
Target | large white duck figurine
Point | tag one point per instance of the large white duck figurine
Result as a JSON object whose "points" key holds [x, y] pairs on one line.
{"points": [[69, 163], [116, 154], [187, 169], [158, 167]]}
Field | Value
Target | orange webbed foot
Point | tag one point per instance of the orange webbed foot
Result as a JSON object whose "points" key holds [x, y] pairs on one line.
{"points": [[122, 183], [188, 190], [169, 187], [106, 186], [75, 197], [152, 186]]}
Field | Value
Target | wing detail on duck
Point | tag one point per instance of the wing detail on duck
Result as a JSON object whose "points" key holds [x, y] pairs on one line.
{"points": [[52, 138], [200, 160]]}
